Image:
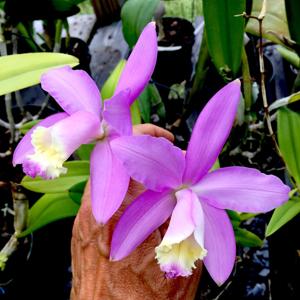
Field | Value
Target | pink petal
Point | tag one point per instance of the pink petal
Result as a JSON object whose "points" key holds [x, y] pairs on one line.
{"points": [[220, 244], [117, 113], [145, 214], [185, 217], [109, 182], [155, 162], [25, 147], [211, 131], [80, 128], [140, 64], [72, 90], [242, 189]]}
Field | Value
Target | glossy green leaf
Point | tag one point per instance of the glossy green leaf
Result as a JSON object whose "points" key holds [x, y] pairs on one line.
{"points": [[275, 26], [292, 12], [247, 238], [289, 140], [225, 34], [28, 125], [111, 82], [19, 71], [135, 15], [50, 208], [78, 171], [76, 191], [84, 151], [283, 214]]}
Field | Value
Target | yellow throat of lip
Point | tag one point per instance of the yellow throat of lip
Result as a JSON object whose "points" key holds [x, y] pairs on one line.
{"points": [[49, 153], [183, 255]]}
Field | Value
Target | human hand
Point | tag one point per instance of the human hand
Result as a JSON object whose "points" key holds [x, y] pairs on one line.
{"points": [[136, 277]]}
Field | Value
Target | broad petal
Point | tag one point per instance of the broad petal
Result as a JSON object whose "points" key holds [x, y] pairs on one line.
{"points": [[242, 189], [53, 145], [211, 131], [145, 214], [140, 64], [25, 147], [117, 113], [155, 162], [219, 241], [72, 90], [109, 182]]}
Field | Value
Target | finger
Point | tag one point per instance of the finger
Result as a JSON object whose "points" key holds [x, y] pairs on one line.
{"points": [[152, 130]]}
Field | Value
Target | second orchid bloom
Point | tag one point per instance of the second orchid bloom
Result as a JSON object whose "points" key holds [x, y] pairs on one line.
{"points": [[181, 187]]}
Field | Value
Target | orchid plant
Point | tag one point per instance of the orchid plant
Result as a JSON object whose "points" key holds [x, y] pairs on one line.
{"points": [[182, 187], [45, 148]]}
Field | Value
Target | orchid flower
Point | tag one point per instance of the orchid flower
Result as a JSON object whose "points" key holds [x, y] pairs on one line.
{"points": [[182, 187], [45, 147]]}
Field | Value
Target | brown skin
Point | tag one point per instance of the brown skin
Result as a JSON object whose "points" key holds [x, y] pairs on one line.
{"points": [[137, 276]]}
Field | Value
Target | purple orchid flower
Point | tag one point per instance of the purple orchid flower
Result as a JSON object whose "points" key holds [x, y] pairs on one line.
{"points": [[182, 187], [45, 147]]}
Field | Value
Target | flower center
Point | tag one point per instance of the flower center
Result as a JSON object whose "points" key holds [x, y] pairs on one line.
{"points": [[179, 259], [48, 157], [103, 131]]}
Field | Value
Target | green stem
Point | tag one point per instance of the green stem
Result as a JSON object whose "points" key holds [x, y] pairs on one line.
{"points": [[247, 83], [57, 38]]}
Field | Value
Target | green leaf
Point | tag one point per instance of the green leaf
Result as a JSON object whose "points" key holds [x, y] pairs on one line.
{"points": [[76, 191], [283, 214], [183, 9], [19, 71], [110, 85], [292, 11], [84, 151], [289, 56], [285, 101], [148, 98], [135, 113], [289, 140], [111, 82], [78, 171], [144, 102], [247, 216], [225, 33], [135, 15], [247, 238], [233, 215], [28, 125], [50, 208], [275, 26]]}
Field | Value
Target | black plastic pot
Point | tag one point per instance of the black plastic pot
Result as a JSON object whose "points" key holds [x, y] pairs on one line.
{"points": [[174, 53]]}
